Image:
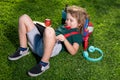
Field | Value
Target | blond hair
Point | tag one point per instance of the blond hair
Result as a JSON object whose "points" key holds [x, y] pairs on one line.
{"points": [[79, 13]]}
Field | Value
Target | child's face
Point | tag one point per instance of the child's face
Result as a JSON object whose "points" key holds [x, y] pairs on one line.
{"points": [[71, 21]]}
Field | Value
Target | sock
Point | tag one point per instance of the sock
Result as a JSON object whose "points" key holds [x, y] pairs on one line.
{"points": [[43, 63], [23, 49]]}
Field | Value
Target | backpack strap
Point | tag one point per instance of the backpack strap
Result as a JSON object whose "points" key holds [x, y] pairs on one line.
{"points": [[87, 31], [70, 34]]}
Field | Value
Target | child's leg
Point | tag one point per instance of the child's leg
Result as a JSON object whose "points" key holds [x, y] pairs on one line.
{"points": [[25, 25], [49, 42]]}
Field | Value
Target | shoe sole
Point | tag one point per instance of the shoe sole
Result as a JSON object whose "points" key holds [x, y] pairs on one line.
{"points": [[34, 75], [13, 59]]}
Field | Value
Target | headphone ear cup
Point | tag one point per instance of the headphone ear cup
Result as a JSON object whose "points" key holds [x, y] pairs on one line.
{"points": [[85, 54], [91, 49], [99, 50]]}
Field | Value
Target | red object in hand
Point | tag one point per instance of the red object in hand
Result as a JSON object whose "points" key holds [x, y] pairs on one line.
{"points": [[47, 22], [68, 27]]}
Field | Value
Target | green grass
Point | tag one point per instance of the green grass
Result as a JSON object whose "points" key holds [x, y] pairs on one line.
{"points": [[105, 15]]}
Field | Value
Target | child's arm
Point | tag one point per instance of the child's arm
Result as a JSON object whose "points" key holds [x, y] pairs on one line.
{"points": [[72, 49]]}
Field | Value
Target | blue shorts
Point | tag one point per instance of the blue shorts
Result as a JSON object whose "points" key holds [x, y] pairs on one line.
{"points": [[35, 41]]}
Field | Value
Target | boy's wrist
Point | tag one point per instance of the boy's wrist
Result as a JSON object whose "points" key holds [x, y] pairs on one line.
{"points": [[64, 40]]}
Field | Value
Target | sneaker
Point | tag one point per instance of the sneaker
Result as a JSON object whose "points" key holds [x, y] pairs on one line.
{"points": [[37, 70], [18, 54]]}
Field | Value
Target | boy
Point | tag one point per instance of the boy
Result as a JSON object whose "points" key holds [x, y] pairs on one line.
{"points": [[46, 42]]}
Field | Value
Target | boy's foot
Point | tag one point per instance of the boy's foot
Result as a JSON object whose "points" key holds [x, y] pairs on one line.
{"points": [[18, 54], [37, 70]]}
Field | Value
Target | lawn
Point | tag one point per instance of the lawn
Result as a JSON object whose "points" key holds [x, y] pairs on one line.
{"points": [[104, 14]]}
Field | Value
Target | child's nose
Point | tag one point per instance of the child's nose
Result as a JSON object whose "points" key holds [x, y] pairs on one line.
{"points": [[68, 22]]}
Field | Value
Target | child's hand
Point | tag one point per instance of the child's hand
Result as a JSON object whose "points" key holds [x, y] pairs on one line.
{"points": [[61, 38]]}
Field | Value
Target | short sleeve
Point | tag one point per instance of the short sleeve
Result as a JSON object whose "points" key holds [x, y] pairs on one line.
{"points": [[77, 38]]}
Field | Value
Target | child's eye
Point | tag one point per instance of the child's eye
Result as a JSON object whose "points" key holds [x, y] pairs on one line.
{"points": [[67, 19], [71, 20]]}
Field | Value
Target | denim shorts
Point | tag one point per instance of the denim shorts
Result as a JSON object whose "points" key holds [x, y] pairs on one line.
{"points": [[35, 41]]}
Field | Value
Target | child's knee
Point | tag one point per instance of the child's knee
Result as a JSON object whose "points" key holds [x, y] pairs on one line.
{"points": [[49, 31], [23, 17]]}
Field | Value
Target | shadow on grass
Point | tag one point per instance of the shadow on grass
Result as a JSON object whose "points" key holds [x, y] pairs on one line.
{"points": [[102, 6], [11, 32], [37, 58]]}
